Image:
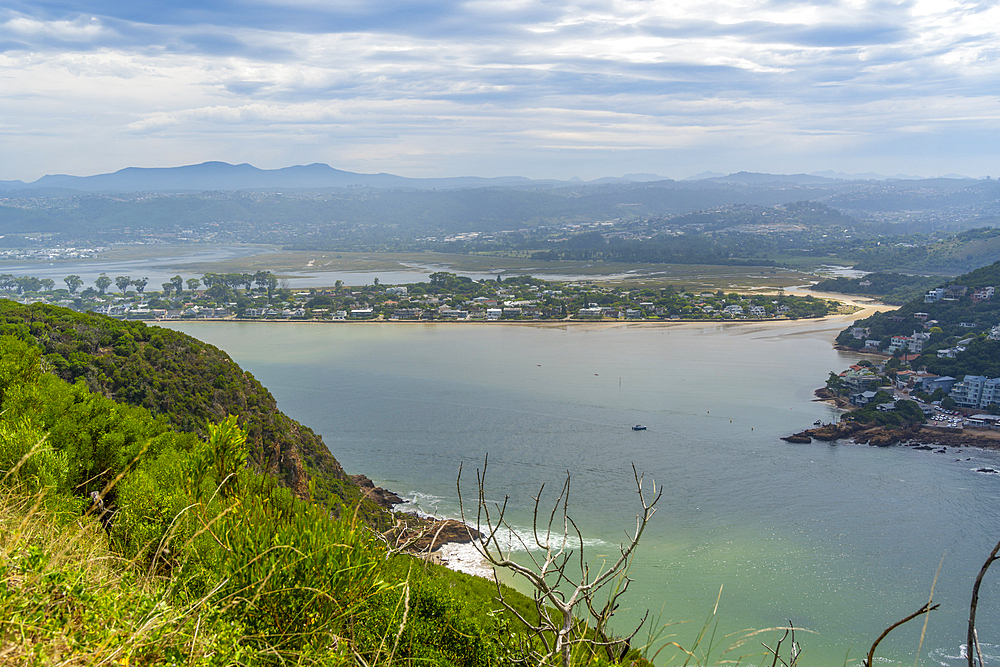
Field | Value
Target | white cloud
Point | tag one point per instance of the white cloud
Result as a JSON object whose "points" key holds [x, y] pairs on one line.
{"points": [[500, 79]]}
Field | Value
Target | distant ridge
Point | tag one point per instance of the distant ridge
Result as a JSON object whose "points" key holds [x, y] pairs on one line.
{"points": [[867, 176], [222, 176], [753, 178], [225, 176], [211, 176]]}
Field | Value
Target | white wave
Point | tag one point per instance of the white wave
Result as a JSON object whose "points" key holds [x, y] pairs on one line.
{"points": [[510, 539], [516, 539], [466, 558], [428, 506], [943, 657]]}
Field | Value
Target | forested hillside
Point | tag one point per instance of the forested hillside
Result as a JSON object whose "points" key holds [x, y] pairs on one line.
{"points": [[127, 542], [185, 382]]}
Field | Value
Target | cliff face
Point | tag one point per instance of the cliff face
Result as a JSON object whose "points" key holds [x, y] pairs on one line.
{"points": [[186, 382]]}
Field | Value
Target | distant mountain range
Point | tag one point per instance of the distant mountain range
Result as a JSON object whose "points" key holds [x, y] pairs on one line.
{"points": [[213, 176]]}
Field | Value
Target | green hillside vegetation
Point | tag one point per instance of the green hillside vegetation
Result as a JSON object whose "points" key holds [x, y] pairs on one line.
{"points": [[126, 541], [129, 541], [952, 254], [957, 320], [905, 413], [892, 288], [186, 383]]}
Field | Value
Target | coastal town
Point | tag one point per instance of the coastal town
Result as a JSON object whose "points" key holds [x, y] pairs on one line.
{"points": [[445, 297], [930, 375]]}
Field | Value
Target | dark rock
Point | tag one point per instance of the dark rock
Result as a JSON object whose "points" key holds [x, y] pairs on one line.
{"points": [[798, 438], [440, 533], [381, 497], [416, 534]]}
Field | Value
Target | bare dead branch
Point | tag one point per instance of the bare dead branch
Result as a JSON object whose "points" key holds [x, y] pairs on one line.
{"points": [[927, 608], [558, 591], [972, 639]]}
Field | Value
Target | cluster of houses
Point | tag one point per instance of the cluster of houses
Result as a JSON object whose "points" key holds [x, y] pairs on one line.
{"points": [[956, 292], [973, 392], [142, 311]]}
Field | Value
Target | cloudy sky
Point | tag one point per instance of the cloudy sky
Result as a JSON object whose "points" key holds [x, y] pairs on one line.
{"points": [[540, 88]]}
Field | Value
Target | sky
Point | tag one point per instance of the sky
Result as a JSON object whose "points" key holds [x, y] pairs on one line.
{"points": [[537, 88]]}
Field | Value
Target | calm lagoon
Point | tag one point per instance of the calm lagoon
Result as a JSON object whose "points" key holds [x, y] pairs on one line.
{"points": [[840, 539]]}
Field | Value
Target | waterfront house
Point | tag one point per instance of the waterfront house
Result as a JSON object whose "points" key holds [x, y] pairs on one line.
{"points": [[862, 398], [976, 391]]}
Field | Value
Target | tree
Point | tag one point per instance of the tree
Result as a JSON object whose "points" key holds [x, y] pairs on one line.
{"points": [[337, 286], [73, 283], [47, 283], [123, 282], [102, 283], [376, 282], [192, 284], [28, 284], [220, 292], [559, 590], [271, 284], [167, 288], [178, 283], [140, 284]]}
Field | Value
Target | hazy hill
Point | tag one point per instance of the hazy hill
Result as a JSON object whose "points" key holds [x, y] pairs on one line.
{"points": [[224, 176]]}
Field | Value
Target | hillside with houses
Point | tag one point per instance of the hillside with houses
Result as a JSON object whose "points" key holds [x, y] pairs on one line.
{"points": [[940, 352]]}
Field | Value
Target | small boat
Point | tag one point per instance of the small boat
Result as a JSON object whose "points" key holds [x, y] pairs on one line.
{"points": [[638, 427]]}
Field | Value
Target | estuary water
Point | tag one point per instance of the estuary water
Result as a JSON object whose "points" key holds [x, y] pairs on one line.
{"points": [[839, 539]]}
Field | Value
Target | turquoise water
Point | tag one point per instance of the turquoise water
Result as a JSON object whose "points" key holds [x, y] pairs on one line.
{"points": [[840, 539]]}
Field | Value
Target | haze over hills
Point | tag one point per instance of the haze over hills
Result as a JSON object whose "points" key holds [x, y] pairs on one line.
{"points": [[746, 217], [213, 176], [209, 176]]}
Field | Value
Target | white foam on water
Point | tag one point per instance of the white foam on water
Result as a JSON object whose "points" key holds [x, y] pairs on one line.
{"points": [[510, 539], [465, 558], [516, 539], [991, 655]]}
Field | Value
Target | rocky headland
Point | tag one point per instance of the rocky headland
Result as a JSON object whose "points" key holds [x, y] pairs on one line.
{"points": [[882, 436], [412, 533]]}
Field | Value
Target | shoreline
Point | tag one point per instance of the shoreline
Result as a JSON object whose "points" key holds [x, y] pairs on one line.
{"points": [[865, 307], [920, 437], [446, 542]]}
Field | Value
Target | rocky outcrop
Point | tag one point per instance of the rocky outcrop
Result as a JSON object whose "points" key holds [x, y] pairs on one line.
{"points": [[424, 535], [382, 497], [882, 436]]}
